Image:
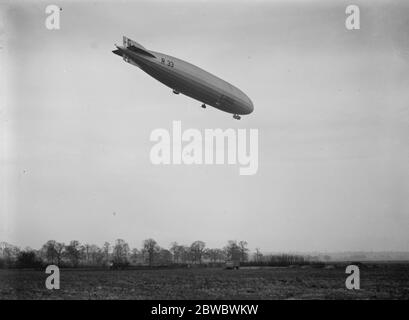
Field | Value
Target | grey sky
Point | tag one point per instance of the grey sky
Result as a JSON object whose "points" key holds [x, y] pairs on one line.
{"points": [[331, 107]]}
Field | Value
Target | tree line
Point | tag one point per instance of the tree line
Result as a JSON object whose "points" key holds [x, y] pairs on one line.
{"points": [[75, 254], [119, 255]]}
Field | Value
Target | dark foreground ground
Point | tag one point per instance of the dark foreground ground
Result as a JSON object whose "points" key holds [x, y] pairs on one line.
{"points": [[383, 281]]}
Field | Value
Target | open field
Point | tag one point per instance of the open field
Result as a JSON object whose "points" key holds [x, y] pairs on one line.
{"points": [[381, 281]]}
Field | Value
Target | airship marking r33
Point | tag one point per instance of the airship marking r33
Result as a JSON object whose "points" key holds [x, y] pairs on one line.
{"points": [[186, 78]]}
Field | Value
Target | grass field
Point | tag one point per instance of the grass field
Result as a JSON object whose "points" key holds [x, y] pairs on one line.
{"points": [[382, 281]]}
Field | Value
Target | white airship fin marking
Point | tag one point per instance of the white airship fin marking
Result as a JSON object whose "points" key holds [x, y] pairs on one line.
{"points": [[136, 47]]}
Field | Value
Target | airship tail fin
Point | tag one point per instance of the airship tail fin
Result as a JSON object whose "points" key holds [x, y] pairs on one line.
{"points": [[118, 52], [136, 47]]}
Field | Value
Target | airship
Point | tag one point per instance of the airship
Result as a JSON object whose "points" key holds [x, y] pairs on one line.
{"points": [[186, 78]]}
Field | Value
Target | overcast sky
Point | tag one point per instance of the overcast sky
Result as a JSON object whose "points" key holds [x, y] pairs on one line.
{"points": [[331, 106]]}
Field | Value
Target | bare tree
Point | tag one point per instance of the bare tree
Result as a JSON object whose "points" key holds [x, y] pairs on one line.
{"points": [[164, 257], [85, 249], [136, 256], [184, 254], [9, 253], [243, 251], [175, 252], [197, 249], [96, 254], [180, 253], [49, 251], [150, 248], [214, 255], [258, 256], [73, 252], [121, 251], [59, 251], [106, 250], [232, 250]]}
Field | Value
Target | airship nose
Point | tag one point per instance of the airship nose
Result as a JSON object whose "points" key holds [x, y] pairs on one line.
{"points": [[248, 106]]}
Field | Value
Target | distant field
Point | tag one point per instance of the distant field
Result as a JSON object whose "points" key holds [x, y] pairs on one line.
{"points": [[383, 281]]}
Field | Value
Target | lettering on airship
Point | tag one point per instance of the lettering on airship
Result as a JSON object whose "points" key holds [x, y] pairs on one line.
{"points": [[169, 63]]}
